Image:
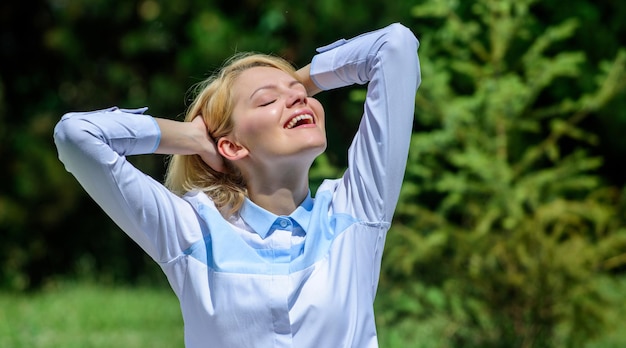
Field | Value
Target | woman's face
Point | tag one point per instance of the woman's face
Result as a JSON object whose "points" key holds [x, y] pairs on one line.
{"points": [[273, 118]]}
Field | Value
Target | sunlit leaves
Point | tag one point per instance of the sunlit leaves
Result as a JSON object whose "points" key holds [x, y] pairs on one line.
{"points": [[502, 197]]}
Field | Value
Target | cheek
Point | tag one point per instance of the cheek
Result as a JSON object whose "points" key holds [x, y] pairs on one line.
{"points": [[317, 108], [254, 124]]}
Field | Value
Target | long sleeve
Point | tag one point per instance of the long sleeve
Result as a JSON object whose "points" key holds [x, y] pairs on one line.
{"points": [[387, 60], [93, 147]]}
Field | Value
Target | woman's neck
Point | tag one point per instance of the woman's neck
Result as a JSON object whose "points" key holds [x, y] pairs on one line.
{"points": [[281, 193], [282, 201], [280, 186]]}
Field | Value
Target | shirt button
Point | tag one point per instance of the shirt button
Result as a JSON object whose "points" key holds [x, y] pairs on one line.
{"points": [[283, 223]]}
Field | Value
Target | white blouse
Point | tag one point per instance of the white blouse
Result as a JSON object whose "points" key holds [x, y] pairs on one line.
{"points": [[260, 280]]}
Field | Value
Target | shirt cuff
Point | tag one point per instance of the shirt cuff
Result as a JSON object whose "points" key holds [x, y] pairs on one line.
{"points": [[323, 69]]}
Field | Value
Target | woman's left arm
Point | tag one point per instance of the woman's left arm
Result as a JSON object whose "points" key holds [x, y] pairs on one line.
{"points": [[387, 61], [304, 75]]}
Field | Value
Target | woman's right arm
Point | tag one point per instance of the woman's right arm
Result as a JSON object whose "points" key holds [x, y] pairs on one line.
{"points": [[93, 146], [188, 138]]}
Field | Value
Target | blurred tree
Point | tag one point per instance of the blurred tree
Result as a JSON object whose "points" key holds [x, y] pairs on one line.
{"points": [[601, 34], [506, 236]]}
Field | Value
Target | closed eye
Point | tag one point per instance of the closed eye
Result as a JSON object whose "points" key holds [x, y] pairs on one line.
{"points": [[267, 103]]}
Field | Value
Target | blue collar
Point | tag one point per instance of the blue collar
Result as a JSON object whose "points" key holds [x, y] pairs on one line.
{"points": [[262, 220]]}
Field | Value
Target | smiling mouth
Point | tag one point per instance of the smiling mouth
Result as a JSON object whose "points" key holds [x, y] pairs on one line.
{"points": [[300, 120]]}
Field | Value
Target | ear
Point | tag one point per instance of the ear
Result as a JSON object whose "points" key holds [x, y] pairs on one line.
{"points": [[231, 150]]}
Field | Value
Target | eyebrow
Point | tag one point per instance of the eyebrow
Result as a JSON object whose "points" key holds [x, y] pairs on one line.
{"points": [[274, 86]]}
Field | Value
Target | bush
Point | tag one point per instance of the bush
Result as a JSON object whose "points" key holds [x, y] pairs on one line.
{"points": [[505, 235]]}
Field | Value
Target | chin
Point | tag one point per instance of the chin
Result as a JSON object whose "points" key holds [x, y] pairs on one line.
{"points": [[314, 151], [320, 146]]}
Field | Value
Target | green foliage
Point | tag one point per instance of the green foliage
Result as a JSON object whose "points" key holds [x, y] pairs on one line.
{"points": [[505, 236]]}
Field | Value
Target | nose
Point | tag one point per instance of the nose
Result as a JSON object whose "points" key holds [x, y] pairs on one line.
{"points": [[297, 96]]}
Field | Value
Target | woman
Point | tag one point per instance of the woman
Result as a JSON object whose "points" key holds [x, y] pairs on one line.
{"points": [[254, 259]]}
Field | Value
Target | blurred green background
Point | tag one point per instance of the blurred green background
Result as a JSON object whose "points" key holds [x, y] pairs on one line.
{"points": [[510, 230]]}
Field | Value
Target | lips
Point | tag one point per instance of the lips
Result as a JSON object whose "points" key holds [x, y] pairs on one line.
{"points": [[299, 120]]}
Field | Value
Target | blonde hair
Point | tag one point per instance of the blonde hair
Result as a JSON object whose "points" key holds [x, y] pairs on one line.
{"points": [[214, 101]]}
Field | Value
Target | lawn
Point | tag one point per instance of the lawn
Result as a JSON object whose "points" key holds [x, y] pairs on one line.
{"points": [[83, 315]]}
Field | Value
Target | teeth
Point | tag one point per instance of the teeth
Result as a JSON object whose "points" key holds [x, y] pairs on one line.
{"points": [[292, 123]]}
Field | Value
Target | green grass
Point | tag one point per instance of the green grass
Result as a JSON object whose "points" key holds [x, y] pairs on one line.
{"points": [[84, 315]]}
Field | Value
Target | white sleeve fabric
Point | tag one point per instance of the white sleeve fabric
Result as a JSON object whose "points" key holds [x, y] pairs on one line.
{"points": [[387, 60], [93, 147]]}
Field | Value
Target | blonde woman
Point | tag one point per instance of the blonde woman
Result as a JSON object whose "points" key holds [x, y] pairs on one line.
{"points": [[254, 258]]}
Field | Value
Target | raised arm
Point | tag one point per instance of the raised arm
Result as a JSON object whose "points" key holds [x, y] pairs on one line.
{"points": [[93, 147], [188, 138], [304, 75], [387, 61]]}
